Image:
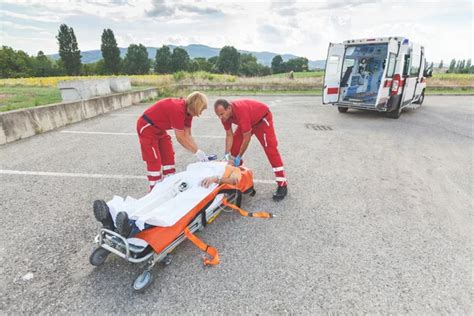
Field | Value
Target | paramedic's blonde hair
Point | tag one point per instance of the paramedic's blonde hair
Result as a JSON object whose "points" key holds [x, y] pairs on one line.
{"points": [[196, 102]]}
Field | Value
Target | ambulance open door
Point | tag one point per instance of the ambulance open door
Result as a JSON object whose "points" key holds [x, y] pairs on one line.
{"points": [[332, 74], [388, 73]]}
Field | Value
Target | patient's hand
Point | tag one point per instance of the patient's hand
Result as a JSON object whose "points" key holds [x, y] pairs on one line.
{"points": [[208, 181]]}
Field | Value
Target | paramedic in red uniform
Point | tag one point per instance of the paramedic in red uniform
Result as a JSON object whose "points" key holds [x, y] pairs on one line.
{"points": [[155, 143], [252, 118]]}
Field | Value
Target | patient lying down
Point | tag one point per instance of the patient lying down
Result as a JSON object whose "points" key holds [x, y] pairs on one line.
{"points": [[169, 200]]}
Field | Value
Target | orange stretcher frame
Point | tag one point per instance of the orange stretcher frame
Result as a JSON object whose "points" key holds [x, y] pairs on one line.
{"points": [[160, 237]]}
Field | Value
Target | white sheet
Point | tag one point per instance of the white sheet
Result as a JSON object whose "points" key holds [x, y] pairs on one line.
{"points": [[165, 204]]}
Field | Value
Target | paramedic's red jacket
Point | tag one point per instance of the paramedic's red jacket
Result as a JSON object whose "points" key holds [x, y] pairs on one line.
{"points": [[246, 113], [169, 114], [255, 117]]}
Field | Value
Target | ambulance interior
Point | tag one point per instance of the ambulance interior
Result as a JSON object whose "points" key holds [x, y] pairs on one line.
{"points": [[362, 72]]}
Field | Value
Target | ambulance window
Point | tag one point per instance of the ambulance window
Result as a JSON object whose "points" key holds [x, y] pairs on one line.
{"points": [[391, 65], [406, 65], [415, 67], [333, 64]]}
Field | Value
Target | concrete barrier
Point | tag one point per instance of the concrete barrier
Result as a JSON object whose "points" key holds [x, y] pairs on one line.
{"points": [[24, 123], [73, 90], [120, 84]]}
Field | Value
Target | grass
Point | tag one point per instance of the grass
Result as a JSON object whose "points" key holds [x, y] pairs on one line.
{"points": [[12, 98], [298, 75], [31, 92], [449, 91]]}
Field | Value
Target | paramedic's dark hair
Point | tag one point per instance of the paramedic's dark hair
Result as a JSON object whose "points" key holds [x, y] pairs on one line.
{"points": [[225, 104]]}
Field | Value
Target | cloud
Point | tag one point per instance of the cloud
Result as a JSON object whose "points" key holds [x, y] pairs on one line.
{"points": [[163, 9], [20, 26], [39, 17]]}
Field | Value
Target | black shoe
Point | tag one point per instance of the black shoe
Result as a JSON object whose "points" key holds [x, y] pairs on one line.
{"points": [[123, 226], [102, 214], [280, 193]]}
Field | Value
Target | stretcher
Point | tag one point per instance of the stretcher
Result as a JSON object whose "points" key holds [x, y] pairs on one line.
{"points": [[154, 244]]}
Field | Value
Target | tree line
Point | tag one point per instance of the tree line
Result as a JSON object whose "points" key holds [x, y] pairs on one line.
{"points": [[459, 67], [14, 64]]}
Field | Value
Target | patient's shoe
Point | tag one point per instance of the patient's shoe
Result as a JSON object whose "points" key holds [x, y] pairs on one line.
{"points": [[280, 193], [102, 214], [123, 225]]}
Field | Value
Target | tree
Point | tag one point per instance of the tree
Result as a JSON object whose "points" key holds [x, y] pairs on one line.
{"points": [[200, 64], [440, 64], [163, 60], [228, 60], [297, 64], [110, 52], [14, 64], [42, 66], [68, 50], [136, 60], [467, 68], [452, 66], [213, 62], [179, 60], [278, 64]]}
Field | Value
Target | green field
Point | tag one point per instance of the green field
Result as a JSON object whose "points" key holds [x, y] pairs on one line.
{"points": [[297, 75], [14, 97]]}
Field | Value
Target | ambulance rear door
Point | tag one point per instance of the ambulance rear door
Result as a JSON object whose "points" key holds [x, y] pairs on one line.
{"points": [[332, 74], [388, 72]]}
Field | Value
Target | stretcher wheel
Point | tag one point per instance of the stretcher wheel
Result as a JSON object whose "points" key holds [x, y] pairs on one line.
{"points": [[98, 256], [167, 260], [143, 281], [253, 192]]}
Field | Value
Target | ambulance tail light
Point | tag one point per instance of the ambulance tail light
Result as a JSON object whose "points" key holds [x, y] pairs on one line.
{"points": [[395, 85]]}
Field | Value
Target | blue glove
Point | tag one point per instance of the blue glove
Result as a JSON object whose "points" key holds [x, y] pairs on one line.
{"points": [[237, 161]]}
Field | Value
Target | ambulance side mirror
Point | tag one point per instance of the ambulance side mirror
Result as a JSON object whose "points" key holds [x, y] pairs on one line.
{"points": [[428, 72]]}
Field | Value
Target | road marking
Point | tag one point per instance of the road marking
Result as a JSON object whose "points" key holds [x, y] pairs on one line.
{"points": [[99, 133], [129, 134], [90, 175], [138, 114]]}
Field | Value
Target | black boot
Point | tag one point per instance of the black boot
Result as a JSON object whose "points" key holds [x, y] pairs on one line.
{"points": [[123, 225], [102, 214], [280, 193]]}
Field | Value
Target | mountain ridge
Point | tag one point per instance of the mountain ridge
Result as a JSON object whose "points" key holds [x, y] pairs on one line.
{"points": [[198, 50]]}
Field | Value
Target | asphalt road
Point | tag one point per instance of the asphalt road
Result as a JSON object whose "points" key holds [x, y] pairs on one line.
{"points": [[378, 219]]}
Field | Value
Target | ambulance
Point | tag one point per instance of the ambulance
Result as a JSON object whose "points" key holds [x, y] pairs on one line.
{"points": [[380, 74]]}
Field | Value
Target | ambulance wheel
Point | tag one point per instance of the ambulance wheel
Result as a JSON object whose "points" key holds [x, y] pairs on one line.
{"points": [[143, 281], [342, 109], [422, 98], [98, 256]]}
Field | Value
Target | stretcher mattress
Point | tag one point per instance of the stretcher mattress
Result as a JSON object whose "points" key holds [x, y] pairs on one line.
{"points": [[170, 199]]}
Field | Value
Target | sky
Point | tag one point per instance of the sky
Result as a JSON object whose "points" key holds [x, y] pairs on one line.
{"points": [[302, 28]]}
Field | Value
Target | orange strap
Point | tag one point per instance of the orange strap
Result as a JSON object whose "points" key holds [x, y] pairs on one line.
{"points": [[209, 250], [245, 213]]}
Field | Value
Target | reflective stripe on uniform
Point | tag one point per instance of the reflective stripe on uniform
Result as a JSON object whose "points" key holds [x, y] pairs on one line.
{"points": [[152, 183], [168, 167], [154, 173], [141, 129], [280, 179], [278, 169], [154, 153]]}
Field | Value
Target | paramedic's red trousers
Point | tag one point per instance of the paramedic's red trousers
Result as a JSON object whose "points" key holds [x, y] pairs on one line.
{"points": [[157, 151], [265, 134]]}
